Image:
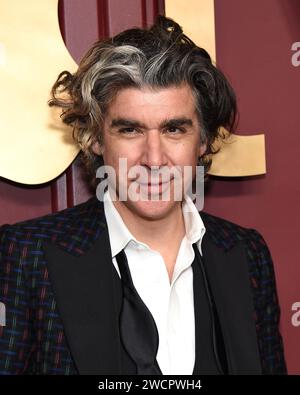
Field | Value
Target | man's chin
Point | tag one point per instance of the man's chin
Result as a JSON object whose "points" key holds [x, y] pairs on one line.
{"points": [[152, 209]]}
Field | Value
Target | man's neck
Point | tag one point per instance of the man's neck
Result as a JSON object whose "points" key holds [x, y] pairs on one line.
{"points": [[161, 234]]}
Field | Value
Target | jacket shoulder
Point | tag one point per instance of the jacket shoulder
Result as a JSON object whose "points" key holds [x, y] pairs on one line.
{"points": [[49, 226], [226, 234]]}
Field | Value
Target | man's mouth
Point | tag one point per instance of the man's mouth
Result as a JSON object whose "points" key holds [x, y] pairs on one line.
{"points": [[154, 183]]}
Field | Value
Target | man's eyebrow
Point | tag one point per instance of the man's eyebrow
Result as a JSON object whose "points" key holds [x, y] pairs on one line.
{"points": [[176, 122], [131, 123]]}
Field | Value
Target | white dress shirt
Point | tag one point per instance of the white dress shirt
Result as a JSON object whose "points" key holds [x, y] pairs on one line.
{"points": [[171, 305]]}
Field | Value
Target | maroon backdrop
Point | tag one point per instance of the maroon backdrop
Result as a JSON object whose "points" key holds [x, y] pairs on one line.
{"points": [[253, 42]]}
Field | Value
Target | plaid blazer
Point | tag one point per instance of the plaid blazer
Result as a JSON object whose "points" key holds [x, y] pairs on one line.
{"points": [[56, 285]]}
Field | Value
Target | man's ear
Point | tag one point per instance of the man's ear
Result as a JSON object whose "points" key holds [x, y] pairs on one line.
{"points": [[202, 149], [97, 148]]}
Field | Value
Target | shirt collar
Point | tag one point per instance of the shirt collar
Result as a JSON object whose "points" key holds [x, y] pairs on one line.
{"points": [[194, 225], [120, 236]]}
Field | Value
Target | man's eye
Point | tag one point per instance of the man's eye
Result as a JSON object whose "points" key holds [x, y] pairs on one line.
{"points": [[174, 130], [127, 130]]}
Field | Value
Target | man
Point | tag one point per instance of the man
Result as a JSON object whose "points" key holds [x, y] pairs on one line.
{"points": [[146, 285]]}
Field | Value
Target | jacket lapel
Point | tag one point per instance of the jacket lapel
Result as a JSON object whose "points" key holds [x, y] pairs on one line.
{"points": [[228, 276], [81, 271]]}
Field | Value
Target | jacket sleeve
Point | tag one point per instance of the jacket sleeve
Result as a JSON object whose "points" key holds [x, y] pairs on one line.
{"points": [[267, 310], [15, 335]]}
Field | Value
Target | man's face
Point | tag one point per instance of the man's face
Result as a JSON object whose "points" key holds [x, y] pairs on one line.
{"points": [[153, 129]]}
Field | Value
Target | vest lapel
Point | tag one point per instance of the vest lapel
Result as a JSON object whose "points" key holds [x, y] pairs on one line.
{"points": [[228, 276], [206, 362], [84, 290]]}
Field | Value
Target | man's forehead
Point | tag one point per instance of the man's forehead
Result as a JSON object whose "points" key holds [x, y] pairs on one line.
{"points": [[153, 95], [160, 103]]}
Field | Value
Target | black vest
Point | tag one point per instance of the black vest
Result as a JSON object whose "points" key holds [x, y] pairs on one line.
{"points": [[210, 358]]}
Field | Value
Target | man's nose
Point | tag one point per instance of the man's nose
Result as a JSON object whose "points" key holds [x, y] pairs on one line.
{"points": [[154, 149]]}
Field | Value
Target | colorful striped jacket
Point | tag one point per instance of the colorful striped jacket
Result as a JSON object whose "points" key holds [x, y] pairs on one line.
{"points": [[56, 286]]}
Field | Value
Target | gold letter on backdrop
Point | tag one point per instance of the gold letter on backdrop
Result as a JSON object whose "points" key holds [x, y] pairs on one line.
{"points": [[35, 147], [239, 155]]}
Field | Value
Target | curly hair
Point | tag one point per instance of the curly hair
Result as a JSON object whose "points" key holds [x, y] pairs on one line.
{"points": [[158, 57]]}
